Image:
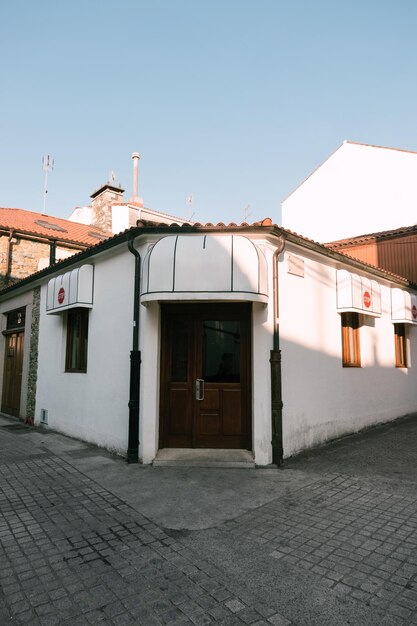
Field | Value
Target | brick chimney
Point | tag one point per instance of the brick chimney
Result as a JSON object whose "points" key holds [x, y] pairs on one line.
{"points": [[102, 202]]}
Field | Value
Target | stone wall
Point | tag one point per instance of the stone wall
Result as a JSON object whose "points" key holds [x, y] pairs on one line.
{"points": [[102, 202], [33, 356], [26, 256]]}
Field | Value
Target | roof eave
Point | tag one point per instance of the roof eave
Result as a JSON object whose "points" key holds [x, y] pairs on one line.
{"points": [[264, 228]]}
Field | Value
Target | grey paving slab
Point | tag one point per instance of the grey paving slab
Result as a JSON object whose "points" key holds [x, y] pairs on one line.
{"points": [[330, 539]]}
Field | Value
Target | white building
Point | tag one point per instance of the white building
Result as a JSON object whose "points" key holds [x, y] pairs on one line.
{"points": [[358, 189], [246, 335]]}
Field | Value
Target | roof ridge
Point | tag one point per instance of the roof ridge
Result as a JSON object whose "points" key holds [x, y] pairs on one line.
{"points": [[371, 145]]}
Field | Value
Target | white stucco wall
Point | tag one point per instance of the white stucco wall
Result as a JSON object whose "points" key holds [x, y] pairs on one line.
{"points": [[323, 400], [262, 333], [359, 189], [150, 369], [126, 215], [94, 405]]}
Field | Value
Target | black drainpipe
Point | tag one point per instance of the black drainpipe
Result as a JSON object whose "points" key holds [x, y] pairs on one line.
{"points": [[8, 255], [133, 442], [52, 252], [275, 361]]}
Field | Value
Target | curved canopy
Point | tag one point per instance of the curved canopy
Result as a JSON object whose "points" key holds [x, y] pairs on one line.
{"points": [[204, 267], [69, 290], [358, 294], [403, 306]]}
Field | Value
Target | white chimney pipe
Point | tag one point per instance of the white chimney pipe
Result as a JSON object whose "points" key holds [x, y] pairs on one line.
{"points": [[136, 157]]}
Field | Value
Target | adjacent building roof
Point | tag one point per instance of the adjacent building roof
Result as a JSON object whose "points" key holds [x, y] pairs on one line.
{"points": [[370, 237], [45, 226], [370, 145]]}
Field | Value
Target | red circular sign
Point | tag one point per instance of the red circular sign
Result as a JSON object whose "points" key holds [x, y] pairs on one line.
{"points": [[367, 299], [61, 295], [414, 311]]}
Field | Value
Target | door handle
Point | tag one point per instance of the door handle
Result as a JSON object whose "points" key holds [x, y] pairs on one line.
{"points": [[199, 389]]}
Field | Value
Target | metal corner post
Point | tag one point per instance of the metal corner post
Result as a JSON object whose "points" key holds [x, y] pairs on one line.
{"points": [[135, 361]]}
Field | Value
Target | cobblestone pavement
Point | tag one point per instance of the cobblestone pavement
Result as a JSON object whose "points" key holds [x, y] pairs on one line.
{"points": [[321, 547]]}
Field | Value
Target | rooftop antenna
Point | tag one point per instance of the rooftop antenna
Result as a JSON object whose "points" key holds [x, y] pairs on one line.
{"points": [[189, 201], [48, 166], [246, 212]]}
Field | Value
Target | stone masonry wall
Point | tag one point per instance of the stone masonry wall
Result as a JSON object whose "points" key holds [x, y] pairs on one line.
{"points": [[33, 355], [102, 208], [26, 256]]}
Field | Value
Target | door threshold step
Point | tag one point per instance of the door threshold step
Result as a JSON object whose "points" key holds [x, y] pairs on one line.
{"points": [[204, 457]]}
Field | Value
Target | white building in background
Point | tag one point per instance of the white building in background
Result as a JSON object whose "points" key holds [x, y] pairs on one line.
{"points": [[224, 362], [359, 189]]}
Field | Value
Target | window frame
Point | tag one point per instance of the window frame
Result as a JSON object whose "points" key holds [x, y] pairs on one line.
{"points": [[351, 352], [16, 319], [400, 342], [77, 342]]}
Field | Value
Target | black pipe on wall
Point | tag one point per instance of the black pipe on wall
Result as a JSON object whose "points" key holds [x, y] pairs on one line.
{"points": [[276, 378], [52, 252], [135, 361]]}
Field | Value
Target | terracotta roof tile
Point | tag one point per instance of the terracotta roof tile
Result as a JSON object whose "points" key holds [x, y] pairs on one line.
{"points": [[38, 224], [360, 239]]}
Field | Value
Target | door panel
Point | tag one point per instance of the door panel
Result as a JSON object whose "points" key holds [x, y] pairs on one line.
{"points": [[176, 399], [12, 374], [205, 376], [180, 413], [231, 411]]}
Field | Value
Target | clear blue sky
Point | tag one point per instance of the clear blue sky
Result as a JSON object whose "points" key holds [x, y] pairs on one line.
{"points": [[234, 101]]}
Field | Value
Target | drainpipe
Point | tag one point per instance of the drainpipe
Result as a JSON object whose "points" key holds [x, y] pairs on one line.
{"points": [[8, 256], [135, 360], [52, 252], [275, 361]]}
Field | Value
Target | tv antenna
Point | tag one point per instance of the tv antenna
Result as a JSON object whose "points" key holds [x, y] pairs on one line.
{"points": [[48, 166], [190, 200], [246, 212]]}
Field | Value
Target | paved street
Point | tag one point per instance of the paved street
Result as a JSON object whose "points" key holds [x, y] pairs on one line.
{"points": [[330, 539]]}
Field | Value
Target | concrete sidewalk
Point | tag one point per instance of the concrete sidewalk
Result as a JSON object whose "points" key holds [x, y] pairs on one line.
{"points": [[329, 539]]}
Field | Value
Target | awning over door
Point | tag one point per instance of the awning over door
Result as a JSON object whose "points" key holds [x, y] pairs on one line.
{"points": [[358, 294], [403, 306], [204, 267], [70, 290]]}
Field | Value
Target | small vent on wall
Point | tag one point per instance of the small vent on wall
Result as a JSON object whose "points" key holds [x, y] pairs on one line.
{"points": [[44, 416]]}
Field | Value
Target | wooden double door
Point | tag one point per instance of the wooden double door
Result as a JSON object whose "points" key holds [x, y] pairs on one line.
{"points": [[12, 374], [205, 376]]}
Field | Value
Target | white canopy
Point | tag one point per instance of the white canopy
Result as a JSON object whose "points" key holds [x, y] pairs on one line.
{"points": [[70, 290], [403, 306], [358, 294], [204, 267]]}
